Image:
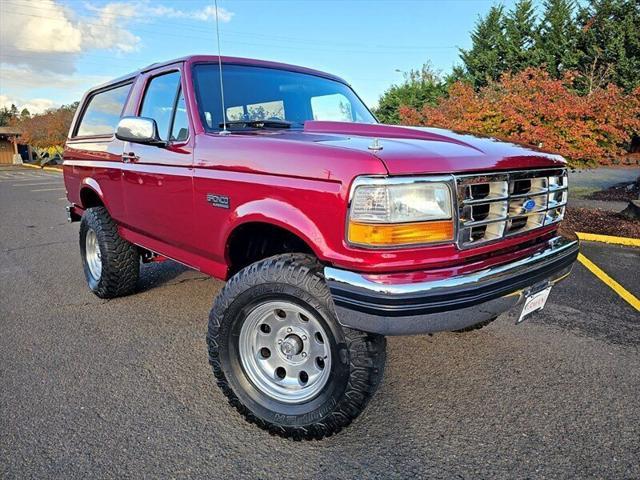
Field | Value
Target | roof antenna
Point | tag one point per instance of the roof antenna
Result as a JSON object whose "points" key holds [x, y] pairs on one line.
{"points": [[224, 130]]}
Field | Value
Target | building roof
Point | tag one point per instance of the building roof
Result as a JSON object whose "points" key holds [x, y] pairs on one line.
{"points": [[10, 131]]}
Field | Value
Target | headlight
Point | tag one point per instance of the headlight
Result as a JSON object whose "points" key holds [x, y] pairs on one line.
{"points": [[404, 213]]}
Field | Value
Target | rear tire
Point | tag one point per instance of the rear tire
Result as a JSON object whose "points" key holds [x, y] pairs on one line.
{"points": [[111, 264], [280, 356]]}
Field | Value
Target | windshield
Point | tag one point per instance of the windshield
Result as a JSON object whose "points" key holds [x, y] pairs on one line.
{"points": [[256, 93]]}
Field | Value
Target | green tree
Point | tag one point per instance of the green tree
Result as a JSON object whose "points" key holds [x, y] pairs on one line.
{"points": [[7, 114], [4, 117], [419, 87], [559, 37], [521, 37], [25, 113], [609, 44], [485, 60]]}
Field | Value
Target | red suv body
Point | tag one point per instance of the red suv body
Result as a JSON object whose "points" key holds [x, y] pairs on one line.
{"points": [[415, 230]]}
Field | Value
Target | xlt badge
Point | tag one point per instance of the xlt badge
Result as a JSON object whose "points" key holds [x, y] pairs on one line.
{"points": [[220, 201]]}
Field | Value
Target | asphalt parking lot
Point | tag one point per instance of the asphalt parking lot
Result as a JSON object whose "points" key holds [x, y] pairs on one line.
{"points": [[122, 388]]}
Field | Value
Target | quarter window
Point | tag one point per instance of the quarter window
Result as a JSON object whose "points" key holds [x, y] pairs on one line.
{"points": [[102, 114]]}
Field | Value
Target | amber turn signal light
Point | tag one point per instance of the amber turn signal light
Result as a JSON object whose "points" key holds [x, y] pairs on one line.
{"points": [[387, 235]]}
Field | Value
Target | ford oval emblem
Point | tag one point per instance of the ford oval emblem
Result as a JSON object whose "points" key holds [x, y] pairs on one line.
{"points": [[529, 205]]}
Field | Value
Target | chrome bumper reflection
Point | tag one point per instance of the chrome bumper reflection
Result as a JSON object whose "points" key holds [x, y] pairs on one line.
{"points": [[449, 304]]}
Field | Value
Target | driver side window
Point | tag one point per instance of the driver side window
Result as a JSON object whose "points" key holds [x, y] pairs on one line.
{"points": [[164, 102]]}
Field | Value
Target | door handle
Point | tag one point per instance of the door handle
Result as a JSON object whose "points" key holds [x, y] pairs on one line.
{"points": [[130, 157]]}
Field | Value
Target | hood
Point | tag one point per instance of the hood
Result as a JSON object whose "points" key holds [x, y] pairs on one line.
{"points": [[413, 150]]}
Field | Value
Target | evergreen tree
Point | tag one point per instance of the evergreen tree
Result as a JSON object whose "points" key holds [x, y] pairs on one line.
{"points": [[559, 37], [420, 87], [4, 116], [521, 39], [7, 114], [609, 44], [485, 61], [25, 113], [458, 73]]}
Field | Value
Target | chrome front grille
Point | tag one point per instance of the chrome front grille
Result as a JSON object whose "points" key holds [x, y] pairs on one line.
{"points": [[495, 206]]}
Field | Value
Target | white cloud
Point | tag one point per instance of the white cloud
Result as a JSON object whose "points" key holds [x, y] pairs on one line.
{"points": [[20, 78], [106, 31], [145, 10], [34, 105], [209, 13], [47, 36], [49, 31], [20, 82], [41, 43]]}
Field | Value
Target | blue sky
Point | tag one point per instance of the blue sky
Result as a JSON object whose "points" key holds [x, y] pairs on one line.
{"points": [[53, 50]]}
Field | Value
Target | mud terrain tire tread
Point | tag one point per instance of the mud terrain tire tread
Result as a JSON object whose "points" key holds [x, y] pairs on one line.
{"points": [[120, 259], [367, 351]]}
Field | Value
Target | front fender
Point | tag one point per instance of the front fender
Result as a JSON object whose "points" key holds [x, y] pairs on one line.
{"points": [[283, 215]]}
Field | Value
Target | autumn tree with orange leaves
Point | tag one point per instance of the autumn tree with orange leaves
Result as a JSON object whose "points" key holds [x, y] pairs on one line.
{"points": [[48, 129], [534, 109], [557, 74]]}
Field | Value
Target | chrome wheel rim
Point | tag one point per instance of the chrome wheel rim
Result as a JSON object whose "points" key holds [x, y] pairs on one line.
{"points": [[93, 255], [285, 352]]}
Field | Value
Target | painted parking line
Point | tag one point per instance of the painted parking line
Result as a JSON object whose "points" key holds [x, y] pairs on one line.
{"points": [[29, 179], [16, 178], [16, 175], [47, 189], [41, 184], [610, 282], [592, 237]]}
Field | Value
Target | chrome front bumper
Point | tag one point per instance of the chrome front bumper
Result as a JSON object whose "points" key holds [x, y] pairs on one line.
{"points": [[454, 303]]}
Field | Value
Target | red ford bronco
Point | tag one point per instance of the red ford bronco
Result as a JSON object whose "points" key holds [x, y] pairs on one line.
{"points": [[331, 229]]}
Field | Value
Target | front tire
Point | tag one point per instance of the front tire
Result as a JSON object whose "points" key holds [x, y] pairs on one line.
{"points": [[280, 356], [111, 264]]}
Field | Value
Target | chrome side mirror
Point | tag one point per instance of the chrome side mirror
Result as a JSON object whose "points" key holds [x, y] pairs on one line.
{"points": [[139, 130]]}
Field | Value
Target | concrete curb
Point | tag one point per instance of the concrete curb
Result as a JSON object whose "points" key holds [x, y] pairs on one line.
{"points": [[46, 169], [592, 237]]}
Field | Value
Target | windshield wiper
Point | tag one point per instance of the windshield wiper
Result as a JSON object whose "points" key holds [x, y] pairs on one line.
{"points": [[258, 123]]}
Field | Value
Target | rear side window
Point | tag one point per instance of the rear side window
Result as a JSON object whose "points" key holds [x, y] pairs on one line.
{"points": [[102, 114]]}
